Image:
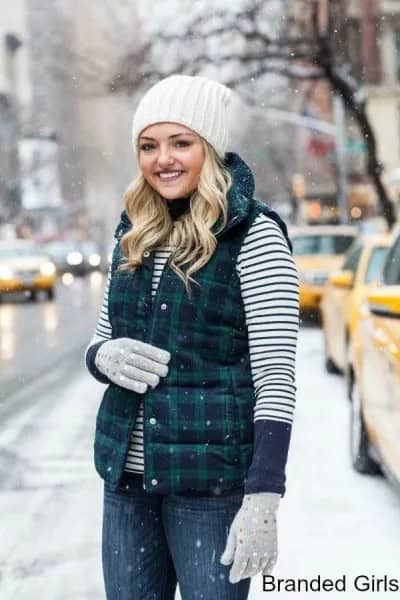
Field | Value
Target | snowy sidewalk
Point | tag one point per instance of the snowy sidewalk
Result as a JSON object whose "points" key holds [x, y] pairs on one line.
{"points": [[332, 521], [50, 499]]}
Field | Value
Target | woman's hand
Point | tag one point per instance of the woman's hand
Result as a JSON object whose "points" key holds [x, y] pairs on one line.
{"points": [[252, 543], [132, 364]]}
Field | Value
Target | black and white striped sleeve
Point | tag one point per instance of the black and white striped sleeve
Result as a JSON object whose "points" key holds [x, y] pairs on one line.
{"points": [[103, 332], [270, 293]]}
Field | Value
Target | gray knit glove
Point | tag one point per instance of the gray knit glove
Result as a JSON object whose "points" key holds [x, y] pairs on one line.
{"points": [[132, 364], [252, 543]]}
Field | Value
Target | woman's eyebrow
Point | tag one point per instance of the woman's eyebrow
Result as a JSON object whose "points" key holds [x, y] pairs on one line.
{"points": [[145, 137]]}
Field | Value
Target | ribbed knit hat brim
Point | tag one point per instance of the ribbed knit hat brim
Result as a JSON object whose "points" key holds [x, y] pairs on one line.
{"points": [[194, 101]]}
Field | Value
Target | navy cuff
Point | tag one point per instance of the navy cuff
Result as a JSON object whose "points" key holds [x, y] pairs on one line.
{"points": [[91, 365], [267, 470]]}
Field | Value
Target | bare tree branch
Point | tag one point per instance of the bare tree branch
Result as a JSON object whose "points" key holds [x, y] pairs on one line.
{"points": [[350, 90]]}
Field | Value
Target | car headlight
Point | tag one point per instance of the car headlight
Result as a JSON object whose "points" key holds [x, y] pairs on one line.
{"points": [[6, 273], [47, 268], [74, 258], [94, 260]]}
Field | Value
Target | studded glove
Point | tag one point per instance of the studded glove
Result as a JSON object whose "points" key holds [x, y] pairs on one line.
{"points": [[132, 364], [252, 543]]}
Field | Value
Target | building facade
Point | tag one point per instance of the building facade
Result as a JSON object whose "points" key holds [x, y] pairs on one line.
{"points": [[374, 49], [15, 96]]}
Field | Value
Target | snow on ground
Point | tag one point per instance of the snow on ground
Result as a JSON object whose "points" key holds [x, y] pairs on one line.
{"points": [[332, 521], [50, 499]]}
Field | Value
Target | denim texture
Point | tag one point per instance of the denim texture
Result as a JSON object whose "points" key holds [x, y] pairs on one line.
{"points": [[152, 542]]}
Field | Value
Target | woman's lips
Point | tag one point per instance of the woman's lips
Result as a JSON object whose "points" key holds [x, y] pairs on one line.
{"points": [[169, 179]]}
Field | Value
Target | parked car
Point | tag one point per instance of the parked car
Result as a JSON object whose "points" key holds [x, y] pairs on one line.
{"points": [[318, 250], [76, 257], [344, 294], [374, 375], [25, 267], [91, 254]]}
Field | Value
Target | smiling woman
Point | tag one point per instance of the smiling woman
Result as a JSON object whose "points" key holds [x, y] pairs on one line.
{"points": [[196, 341], [171, 157]]}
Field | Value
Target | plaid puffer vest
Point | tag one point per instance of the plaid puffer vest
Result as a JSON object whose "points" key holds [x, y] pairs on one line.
{"points": [[198, 421]]}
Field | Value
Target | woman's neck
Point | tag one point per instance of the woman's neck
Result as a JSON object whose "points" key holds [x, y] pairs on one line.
{"points": [[177, 206], [171, 200]]}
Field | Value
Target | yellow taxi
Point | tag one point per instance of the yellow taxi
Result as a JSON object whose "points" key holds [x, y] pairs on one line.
{"points": [[344, 294], [318, 250], [24, 266], [374, 375]]}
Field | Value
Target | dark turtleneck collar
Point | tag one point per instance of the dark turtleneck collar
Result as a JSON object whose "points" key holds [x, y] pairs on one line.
{"points": [[178, 206]]}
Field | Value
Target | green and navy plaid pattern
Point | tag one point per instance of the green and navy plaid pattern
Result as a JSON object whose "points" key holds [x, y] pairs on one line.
{"points": [[198, 422]]}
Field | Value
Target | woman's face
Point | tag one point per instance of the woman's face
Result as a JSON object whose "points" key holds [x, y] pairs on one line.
{"points": [[171, 157]]}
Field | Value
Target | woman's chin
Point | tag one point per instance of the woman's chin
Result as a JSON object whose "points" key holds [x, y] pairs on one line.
{"points": [[170, 192]]}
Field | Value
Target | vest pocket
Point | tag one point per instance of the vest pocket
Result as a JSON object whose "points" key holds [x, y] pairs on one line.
{"points": [[214, 306], [114, 422]]}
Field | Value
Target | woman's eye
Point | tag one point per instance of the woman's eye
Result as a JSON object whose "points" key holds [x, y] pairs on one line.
{"points": [[146, 147]]}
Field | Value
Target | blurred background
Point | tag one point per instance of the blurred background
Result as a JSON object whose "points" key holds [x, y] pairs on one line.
{"points": [[316, 115]]}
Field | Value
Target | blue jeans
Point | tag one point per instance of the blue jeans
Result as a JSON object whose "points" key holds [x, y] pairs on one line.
{"points": [[151, 542]]}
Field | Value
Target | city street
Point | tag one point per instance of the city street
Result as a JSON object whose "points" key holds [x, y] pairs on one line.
{"points": [[254, 141], [332, 521], [37, 337]]}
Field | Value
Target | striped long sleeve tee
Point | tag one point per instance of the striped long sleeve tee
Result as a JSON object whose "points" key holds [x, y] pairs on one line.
{"points": [[269, 289]]}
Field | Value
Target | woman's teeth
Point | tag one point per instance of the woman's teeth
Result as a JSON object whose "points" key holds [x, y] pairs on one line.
{"points": [[171, 175]]}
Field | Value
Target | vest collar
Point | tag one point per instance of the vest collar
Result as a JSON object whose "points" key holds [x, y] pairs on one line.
{"points": [[239, 196]]}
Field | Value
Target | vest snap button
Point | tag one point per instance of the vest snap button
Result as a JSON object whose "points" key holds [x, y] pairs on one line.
{"points": [[154, 482], [153, 421], [163, 306], [147, 253]]}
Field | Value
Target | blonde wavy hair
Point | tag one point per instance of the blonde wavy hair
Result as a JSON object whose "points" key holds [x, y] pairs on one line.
{"points": [[190, 236]]}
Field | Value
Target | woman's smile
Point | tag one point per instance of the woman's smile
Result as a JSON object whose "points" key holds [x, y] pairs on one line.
{"points": [[170, 176], [171, 158]]}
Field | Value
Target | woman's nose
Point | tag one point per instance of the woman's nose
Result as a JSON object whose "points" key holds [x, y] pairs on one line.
{"points": [[165, 158]]}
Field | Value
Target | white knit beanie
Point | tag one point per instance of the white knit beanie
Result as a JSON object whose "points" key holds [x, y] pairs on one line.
{"points": [[196, 102]]}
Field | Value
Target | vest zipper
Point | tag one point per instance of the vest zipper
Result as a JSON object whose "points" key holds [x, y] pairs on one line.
{"points": [[150, 321]]}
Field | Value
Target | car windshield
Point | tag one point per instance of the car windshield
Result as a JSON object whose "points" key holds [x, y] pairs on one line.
{"points": [[375, 263], [321, 244], [19, 252]]}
